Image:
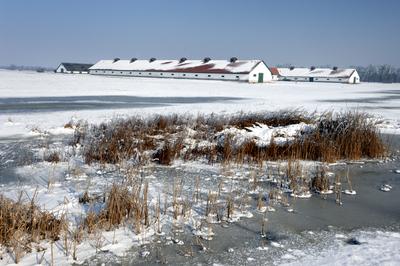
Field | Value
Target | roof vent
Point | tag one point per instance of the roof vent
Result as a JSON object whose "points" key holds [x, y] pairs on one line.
{"points": [[233, 59], [152, 59], [133, 60], [312, 68], [183, 59], [335, 68], [206, 59], [116, 59], [291, 68]]}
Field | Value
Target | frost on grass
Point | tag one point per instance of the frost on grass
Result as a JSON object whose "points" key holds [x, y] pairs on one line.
{"points": [[242, 138]]}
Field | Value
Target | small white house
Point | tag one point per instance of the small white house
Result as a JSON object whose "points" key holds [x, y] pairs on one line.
{"points": [[312, 74], [275, 73], [254, 71], [73, 68]]}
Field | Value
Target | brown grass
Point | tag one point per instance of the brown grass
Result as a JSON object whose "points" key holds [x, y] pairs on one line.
{"points": [[348, 135], [22, 223], [123, 204], [53, 157]]}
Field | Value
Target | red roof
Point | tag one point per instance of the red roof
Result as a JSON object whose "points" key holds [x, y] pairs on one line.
{"points": [[274, 71]]}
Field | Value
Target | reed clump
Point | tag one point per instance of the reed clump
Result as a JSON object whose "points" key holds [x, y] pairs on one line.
{"points": [[22, 223], [163, 138], [123, 204], [53, 157]]}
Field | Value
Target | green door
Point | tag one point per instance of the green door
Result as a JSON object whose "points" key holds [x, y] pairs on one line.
{"points": [[260, 77]]}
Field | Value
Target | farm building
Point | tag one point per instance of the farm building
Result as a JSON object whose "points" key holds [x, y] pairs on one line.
{"points": [[255, 71], [73, 68], [335, 74], [274, 73]]}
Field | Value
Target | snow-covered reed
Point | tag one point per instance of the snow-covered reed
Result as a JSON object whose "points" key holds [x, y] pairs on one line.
{"points": [[241, 138]]}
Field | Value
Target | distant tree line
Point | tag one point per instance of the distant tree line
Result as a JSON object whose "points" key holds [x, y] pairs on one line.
{"points": [[31, 68], [380, 73]]}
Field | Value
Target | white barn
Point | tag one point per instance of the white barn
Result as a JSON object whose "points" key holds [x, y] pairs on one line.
{"points": [[335, 74], [255, 71], [73, 68]]}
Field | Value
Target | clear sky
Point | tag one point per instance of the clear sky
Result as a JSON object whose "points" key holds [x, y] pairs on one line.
{"points": [[298, 32]]}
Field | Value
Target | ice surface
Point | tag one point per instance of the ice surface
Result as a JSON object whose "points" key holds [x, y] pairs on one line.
{"points": [[377, 248], [372, 97]]}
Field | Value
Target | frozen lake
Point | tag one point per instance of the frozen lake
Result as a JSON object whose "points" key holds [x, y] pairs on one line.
{"points": [[317, 225], [47, 101], [96, 102], [34, 107]]}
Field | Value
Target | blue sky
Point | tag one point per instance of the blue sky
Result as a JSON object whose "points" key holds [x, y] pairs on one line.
{"points": [[301, 32]]}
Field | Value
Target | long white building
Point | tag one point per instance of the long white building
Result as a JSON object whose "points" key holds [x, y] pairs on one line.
{"points": [[255, 71], [312, 74]]}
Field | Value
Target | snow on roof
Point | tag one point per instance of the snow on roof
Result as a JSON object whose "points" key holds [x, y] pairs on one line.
{"points": [[195, 66], [317, 72]]}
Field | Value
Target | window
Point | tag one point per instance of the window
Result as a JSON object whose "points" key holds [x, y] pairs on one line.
{"points": [[150, 73], [172, 74], [209, 76], [121, 72], [130, 72], [184, 75], [237, 77], [327, 79], [112, 72], [340, 79], [104, 71], [161, 74], [316, 79], [196, 75], [305, 78], [140, 73], [295, 78], [255, 75], [222, 76]]}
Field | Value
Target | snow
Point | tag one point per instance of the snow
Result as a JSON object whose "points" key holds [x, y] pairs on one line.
{"points": [[247, 97], [350, 192], [377, 248], [264, 134], [60, 195], [60, 199]]}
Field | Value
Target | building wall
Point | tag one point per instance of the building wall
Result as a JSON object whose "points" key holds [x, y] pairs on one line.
{"points": [[180, 75], [61, 69], [316, 79], [260, 68], [79, 72], [354, 78]]}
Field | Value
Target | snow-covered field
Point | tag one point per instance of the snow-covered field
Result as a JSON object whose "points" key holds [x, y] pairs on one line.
{"points": [[179, 96], [34, 103]]}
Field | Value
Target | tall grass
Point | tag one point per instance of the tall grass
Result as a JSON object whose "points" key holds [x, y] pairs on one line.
{"points": [[22, 223], [123, 204], [346, 135]]}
